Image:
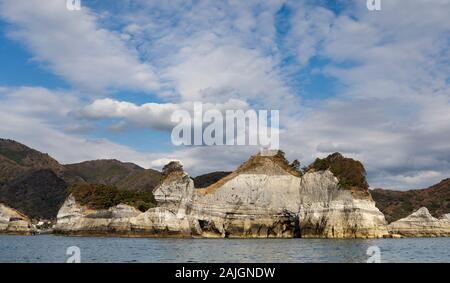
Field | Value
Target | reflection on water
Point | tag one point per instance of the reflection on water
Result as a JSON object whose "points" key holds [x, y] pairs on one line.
{"points": [[48, 248]]}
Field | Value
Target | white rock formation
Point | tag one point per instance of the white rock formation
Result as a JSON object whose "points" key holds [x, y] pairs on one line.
{"points": [[421, 224], [13, 222], [171, 216], [264, 198], [446, 217], [76, 219]]}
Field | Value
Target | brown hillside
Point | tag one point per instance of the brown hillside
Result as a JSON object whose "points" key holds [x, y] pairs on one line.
{"points": [[36, 184], [396, 204]]}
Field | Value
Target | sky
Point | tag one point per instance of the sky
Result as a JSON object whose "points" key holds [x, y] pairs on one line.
{"points": [[103, 81]]}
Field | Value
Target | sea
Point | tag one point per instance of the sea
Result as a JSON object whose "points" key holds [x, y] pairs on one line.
{"points": [[60, 249]]}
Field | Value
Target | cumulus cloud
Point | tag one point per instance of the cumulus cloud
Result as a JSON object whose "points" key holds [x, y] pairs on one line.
{"points": [[213, 50], [200, 160], [391, 108], [395, 103], [329, 147], [217, 73], [37, 101], [73, 45], [49, 121], [149, 115], [310, 26], [37, 116]]}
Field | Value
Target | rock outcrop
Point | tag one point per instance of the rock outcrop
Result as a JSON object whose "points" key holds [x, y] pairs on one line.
{"points": [[36, 184], [396, 205], [421, 224], [13, 222], [76, 219], [310, 206], [263, 198], [446, 216]]}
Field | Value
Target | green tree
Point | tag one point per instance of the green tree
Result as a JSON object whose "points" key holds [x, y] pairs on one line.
{"points": [[296, 165]]}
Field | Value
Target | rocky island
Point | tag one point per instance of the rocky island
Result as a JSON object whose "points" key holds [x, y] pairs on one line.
{"points": [[265, 197], [421, 224]]}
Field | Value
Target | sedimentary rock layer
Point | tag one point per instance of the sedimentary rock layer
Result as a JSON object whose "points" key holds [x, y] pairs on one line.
{"points": [[264, 198], [421, 224], [13, 222]]}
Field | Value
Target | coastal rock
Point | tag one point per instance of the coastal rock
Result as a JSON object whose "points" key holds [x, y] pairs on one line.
{"points": [[76, 219], [13, 222], [421, 224], [263, 198], [328, 211], [171, 216], [446, 217], [312, 206], [396, 205]]}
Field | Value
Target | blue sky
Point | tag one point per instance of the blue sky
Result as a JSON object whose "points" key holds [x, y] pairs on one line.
{"points": [[17, 68], [102, 82]]}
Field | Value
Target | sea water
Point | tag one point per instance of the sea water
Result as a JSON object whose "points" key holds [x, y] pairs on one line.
{"points": [[50, 248]]}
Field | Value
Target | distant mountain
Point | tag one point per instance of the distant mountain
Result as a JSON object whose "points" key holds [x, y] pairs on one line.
{"points": [[37, 194], [30, 181], [145, 180], [206, 180], [396, 204], [126, 176], [17, 159], [9, 170], [36, 184]]}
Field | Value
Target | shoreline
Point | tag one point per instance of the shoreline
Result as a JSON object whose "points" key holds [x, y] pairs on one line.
{"points": [[85, 234]]}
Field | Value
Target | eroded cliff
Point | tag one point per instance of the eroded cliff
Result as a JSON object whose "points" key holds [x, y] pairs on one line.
{"points": [[13, 222], [421, 224], [263, 198]]}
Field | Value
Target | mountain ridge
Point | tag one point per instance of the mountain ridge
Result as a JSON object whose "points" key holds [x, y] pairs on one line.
{"points": [[399, 204], [36, 184]]}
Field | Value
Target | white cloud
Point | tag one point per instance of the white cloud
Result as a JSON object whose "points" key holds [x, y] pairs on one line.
{"points": [[37, 116], [391, 111], [390, 137], [148, 115], [42, 129], [402, 50], [218, 73], [310, 26], [200, 160], [213, 50], [330, 147], [37, 101], [75, 47]]}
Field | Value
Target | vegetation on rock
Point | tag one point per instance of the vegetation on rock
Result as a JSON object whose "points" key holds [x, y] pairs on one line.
{"points": [[350, 172], [296, 165], [101, 196], [171, 167]]}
